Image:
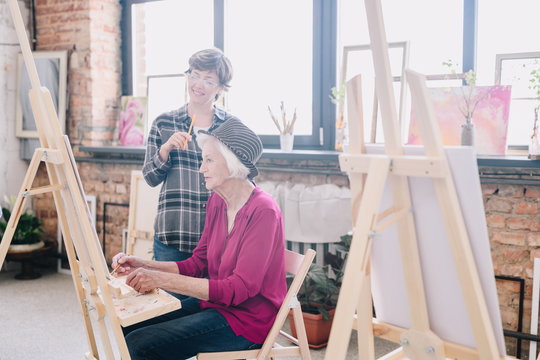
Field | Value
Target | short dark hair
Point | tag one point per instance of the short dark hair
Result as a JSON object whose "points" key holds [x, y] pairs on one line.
{"points": [[213, 59]]}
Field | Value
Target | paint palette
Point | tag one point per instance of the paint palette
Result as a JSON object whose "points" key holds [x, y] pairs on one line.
{"points": [[132, 307]]}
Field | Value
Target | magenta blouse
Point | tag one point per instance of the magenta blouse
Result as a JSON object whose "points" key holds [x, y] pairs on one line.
{"points": [[246, 268]]}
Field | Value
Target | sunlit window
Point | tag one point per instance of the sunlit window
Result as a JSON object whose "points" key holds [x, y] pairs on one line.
{"points": [[270, 46], [165, 34], [432, 40], [510, 27], [276, 56]]}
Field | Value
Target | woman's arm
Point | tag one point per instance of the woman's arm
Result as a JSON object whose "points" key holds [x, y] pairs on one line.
{"points": [[125, 264], [144, 280]]}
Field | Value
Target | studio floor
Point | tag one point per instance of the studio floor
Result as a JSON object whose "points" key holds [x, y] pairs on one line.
{"points": [[40, 319]]}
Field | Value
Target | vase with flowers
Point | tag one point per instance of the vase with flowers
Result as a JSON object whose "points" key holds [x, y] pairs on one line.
{"points": [[470, 100], [337, 97], [534, 85], [286, 128]]}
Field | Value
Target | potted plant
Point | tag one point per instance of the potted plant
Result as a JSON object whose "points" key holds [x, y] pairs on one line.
{"points": [[319, 294], [27, 235]]}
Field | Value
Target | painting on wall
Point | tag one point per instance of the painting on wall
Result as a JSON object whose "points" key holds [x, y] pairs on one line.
{"points": [[132, 121], [490, 116]]}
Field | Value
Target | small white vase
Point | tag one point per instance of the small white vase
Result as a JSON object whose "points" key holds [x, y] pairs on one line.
{"points": [[468, 133], [286, 142]]}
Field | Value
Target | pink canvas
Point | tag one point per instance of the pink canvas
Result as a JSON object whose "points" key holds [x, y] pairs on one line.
{"points": [[490, 117]]}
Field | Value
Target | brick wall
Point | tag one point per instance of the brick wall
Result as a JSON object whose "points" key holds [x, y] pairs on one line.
{"points": [[90, 30], [514, 230]]}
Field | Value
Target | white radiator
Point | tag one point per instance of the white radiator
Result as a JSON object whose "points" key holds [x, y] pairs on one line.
{"points": [[315, 216]]}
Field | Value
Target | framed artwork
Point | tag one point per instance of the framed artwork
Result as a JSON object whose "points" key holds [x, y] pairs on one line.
{"points": [[52, 72], [357, 59], [133, 120], [490, 117], [165, 93], [515, 69]]}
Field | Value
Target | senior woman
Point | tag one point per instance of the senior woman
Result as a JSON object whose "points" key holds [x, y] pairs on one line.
{"points": [[235, 279]]}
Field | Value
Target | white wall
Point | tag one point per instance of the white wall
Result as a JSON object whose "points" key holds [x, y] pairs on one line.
{"points": [[12, 169]]}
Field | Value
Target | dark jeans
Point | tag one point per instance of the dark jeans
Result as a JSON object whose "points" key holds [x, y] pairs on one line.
{"points": [[164, 252], [182, 334]]}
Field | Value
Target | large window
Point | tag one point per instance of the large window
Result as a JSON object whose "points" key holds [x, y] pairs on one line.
{"points": [[275, 48], [291, 50]]}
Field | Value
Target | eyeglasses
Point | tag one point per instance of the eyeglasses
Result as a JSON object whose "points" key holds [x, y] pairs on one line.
{"points": [[207, 83]]}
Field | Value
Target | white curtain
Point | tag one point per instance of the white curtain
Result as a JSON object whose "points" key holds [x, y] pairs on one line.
{"points": [[313, 213]]}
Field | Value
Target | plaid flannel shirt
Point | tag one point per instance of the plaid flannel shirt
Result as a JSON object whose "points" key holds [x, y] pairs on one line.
{"points": [[182, 199]]}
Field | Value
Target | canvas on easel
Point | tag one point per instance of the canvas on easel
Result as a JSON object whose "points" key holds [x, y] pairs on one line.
{"points": [[417, 324], [143, 203], [105, 302]]}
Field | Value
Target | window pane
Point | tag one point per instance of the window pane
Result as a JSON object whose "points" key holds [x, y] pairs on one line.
{"points": [[270, 47], [165, 93], [165, 34], [432, 40], [509, 27]]}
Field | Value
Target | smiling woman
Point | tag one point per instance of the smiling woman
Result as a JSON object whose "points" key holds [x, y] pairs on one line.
{"points": [[173, 157]]}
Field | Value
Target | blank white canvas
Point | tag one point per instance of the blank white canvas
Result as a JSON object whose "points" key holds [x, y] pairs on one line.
{"points": [[446, 305], [145, 203]]}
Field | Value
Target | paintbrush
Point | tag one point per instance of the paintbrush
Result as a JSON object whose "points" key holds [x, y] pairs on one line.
{"points": [[290, 127], [274, 119], [116, 268], [189, 131]]}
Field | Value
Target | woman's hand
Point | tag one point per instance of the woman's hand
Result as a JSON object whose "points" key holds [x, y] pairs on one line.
{"points": [[125, 264], [144, 280], [177, 141]]}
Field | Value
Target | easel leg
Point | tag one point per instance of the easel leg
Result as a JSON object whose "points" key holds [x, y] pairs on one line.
{"points": [[364, 327], [19, 204], [358, 259], [76, 274]]}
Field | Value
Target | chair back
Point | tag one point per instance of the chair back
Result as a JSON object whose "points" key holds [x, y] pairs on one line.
{"points": [[298, 265]]}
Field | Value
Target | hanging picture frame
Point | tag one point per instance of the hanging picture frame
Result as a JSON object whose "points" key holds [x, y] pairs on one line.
{"points": [[52, 72], [400, 59]]}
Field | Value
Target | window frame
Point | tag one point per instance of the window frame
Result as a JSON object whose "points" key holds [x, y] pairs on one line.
{"points": [[324, 69]]}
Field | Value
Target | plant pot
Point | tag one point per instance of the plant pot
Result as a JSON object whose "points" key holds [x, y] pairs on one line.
{"points": [[25, 247], [317, 328]]}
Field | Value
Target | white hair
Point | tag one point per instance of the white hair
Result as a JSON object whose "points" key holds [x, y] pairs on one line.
{"points": [[235, 166]]}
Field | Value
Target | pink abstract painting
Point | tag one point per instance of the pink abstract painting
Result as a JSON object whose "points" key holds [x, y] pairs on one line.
{"points": [[132, 121], [490, 116]]}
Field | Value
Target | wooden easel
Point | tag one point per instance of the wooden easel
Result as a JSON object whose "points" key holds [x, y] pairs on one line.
{"points": [[99, 294], [354, 308]]}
